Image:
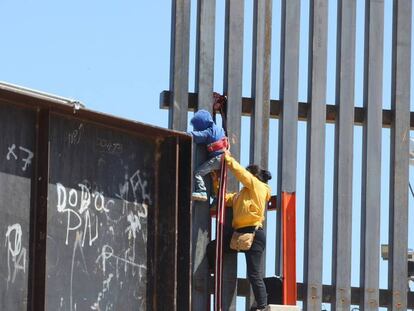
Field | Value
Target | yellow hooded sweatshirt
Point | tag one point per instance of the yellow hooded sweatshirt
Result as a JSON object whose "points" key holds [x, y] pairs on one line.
{"points": [[250, 202]]}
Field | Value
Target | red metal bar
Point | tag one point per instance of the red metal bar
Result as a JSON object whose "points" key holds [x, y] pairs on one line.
{"points": [[289, 247]]}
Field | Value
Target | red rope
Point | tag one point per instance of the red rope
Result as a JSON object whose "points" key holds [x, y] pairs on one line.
{"points": [[218, 273], [220, 106]]}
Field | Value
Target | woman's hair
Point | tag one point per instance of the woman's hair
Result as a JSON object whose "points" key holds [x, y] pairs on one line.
{"points": [[261, 174]]}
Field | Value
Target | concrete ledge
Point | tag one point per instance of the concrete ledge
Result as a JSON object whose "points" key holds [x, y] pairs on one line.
{"points": [[282, 308]]}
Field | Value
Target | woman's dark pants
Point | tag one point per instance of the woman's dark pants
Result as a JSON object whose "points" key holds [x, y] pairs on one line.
{"points": [[254, 262]]}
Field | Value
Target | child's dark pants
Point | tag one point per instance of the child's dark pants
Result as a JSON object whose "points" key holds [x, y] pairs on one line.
{"points": [[204, 169]]}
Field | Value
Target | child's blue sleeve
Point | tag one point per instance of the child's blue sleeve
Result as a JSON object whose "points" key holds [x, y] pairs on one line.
{"points": [[200, 137]]}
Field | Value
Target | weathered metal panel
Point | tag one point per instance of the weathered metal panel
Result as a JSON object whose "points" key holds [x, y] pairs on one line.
{"points": [[342, 217], [315, 155], [371, 158], [106, 203], [167, 226], [17, 147], [233, 58], [101, 189], [184, 227], [400, 133], [180, 43], [289, 76]]}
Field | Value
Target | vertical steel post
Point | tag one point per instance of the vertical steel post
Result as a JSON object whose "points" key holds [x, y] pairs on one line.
{"points": [[233, 71], [204, 89], [179, 69], [371, 159], [344, 134], [288, 142], [260, 89], [180, 49], [400, 134], [315, 155], [259, 134]]}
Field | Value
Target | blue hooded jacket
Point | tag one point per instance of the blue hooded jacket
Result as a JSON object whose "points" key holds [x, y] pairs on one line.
{"points": [[205, 130]]}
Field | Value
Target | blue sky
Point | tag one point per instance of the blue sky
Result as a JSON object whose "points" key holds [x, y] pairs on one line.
{"points": [[114, 57]]}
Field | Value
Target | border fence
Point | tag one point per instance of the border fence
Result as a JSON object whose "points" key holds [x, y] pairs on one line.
{"points": [[316, 112], [90, 208]]}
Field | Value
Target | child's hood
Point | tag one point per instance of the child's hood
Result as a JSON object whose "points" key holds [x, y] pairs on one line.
{"points": [[202, 120]]}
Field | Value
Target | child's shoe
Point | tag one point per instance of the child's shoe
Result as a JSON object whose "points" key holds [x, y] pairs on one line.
{"points": [[199, 196]]}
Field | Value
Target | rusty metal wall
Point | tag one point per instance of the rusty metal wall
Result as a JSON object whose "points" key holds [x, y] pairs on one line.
{"points": [[345, 116], [90, 209]]}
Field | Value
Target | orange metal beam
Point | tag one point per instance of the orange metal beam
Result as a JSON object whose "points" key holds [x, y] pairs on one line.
{"points": [[289, 247]]}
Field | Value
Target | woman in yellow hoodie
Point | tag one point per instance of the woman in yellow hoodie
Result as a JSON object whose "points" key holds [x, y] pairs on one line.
{"points": [[249, 206]]}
